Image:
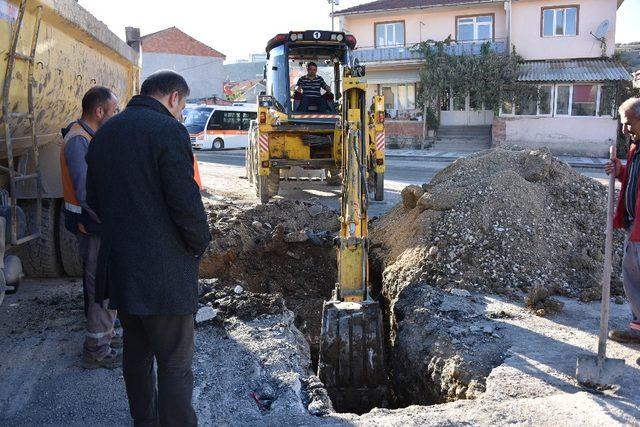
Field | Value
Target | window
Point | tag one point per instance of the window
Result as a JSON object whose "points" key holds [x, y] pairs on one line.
{"points": [[559, 21], [389, 98], [583, 100], [545, 98], [607, 100], [563, 97], [527, 104], [389, 34], [475, 28], [406, 97], [246, 119]]}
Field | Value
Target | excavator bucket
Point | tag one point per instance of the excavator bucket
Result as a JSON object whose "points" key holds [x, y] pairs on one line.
{"points": [[351, 363]]}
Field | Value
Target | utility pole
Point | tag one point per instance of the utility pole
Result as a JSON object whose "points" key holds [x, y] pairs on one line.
{"points": [[333, 4]]}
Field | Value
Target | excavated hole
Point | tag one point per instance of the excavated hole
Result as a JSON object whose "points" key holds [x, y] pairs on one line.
{"points": [[252, 248]]}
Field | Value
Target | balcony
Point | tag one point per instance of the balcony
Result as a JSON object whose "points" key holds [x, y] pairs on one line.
{"points": [[372, 55]]}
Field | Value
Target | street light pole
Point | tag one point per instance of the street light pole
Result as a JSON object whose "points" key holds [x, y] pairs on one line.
{"points": [[333, 4]]}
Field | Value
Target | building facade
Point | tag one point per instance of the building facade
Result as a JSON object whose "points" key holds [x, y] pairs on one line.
{"points": [[567, 47], [199, 64]]}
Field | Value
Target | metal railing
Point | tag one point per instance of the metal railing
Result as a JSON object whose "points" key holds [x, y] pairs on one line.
{"points": [[411, 52]]}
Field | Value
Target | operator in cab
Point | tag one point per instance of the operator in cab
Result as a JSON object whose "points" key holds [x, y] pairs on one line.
{"points": [[309, 87]]}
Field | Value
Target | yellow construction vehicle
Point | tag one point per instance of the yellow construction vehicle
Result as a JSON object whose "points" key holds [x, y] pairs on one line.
{"points": [[344, 136], [290, 132]]}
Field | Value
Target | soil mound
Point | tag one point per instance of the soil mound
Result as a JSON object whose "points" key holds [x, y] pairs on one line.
{"points": [[502, 222], [284, 247], [516, 223]]}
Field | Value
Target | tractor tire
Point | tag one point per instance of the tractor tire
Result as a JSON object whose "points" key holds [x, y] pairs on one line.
{"points": [[40, 257], [68, 249], [379, 193], [332, 176]]}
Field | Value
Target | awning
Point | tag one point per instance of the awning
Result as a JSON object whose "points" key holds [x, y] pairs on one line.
{"points": [[579, 70]]}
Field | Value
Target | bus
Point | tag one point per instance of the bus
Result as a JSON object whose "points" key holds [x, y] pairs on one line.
{"points": [[216, 127]]}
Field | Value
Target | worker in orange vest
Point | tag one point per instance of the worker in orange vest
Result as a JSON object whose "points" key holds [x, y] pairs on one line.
{"points": [[98, 105]]}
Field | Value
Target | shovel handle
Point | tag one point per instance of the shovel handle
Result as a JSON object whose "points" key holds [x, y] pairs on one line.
{"points": [[606, 274]]}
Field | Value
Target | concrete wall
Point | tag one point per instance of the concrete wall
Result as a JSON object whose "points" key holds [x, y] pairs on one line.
{"points": [[526, 30], [204, 74], [564, 136], [439, 23]]}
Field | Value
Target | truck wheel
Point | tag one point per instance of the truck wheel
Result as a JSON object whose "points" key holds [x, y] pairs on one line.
{"points": [[68, 249], [379, 195], [40, 257], [332, 176]]}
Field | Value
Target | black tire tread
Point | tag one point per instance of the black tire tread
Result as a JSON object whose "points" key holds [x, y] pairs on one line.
{"points": [[40, 257]]}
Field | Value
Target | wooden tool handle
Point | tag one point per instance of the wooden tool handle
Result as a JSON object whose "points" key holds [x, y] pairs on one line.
{"points": [[606, 274]]}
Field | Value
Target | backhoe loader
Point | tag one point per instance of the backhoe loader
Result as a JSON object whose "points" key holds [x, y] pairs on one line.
{"points": [[346, 138]]}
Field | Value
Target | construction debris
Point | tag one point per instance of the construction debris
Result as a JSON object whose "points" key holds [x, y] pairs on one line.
{"points": [[205, 314]]}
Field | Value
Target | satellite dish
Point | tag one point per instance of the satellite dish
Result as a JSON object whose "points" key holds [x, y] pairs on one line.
{"points": [[601, 32]]}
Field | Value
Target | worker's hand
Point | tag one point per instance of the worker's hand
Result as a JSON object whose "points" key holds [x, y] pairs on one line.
{"points": [[613, 166]]}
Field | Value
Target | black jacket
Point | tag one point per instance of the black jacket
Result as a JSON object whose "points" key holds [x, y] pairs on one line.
{"points": [[154, 227]]}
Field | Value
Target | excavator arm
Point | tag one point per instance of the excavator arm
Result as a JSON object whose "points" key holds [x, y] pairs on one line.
{"points": [[351, 363]]}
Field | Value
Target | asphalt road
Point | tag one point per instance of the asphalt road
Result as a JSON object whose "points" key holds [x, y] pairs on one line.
{"points": [[400, 172]]}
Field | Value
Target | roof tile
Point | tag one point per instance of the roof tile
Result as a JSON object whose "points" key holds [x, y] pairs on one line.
{"points": [[174, 40], [383, 5]]}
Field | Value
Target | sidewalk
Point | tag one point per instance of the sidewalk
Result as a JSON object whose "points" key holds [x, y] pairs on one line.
{"points": [[449, 156]]}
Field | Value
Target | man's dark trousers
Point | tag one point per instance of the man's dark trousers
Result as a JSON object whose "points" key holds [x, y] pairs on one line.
{"points": [[168, 339]]}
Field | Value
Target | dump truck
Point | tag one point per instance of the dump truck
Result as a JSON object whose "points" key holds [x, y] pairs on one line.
{"points": [[52, 52]]}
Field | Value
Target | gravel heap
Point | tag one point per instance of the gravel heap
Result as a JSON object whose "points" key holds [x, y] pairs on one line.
{"points": [[500, 221]]}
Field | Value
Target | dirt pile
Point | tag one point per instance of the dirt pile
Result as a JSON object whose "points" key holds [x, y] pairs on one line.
{"points": [[515, 223], [284, 247], [501, 221]]}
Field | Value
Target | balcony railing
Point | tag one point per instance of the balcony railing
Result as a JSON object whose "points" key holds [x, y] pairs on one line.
{"points": [[413, 53]]}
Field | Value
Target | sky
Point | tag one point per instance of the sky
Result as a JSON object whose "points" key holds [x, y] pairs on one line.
{"points": [[239, 28]]}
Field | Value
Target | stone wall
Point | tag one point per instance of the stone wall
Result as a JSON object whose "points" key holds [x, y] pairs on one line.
{"points": [[403, 133]]}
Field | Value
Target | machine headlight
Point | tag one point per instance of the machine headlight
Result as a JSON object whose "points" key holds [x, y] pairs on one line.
{"points": [[294, 37], [339, 37]]}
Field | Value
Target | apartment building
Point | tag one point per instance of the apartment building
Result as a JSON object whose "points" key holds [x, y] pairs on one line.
{"points": [[567, 47]]}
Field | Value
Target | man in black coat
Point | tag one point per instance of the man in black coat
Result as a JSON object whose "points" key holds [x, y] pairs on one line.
{"points": [[140, 183]]}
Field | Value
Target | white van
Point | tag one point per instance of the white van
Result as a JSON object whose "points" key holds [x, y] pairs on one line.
{"points": [[214, 127]]}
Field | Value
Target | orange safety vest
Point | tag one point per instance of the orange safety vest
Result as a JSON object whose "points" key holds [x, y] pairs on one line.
{"points": [[196, 172], [69, 192]]}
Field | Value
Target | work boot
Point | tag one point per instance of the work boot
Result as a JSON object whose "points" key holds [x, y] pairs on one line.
{"points": [[111, 361], [116, 340], [624, 336]]}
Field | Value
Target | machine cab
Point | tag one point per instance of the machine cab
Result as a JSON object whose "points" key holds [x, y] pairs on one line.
{"points": [[288, 56]]}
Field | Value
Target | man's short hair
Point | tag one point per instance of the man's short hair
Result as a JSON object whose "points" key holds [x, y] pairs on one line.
{"points": [[631, 105], [94, 98], [163, 83], [312, 64]]}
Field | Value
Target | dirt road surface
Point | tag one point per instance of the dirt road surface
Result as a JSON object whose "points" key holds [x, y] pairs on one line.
{"points": [[41, 333]]}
